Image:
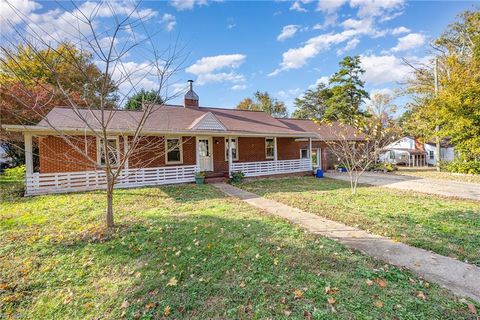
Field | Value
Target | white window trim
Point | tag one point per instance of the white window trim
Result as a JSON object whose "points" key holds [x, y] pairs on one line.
{"points": [[99, 157], [306, 149], [273, 140], [166, 150], [226, 148]]}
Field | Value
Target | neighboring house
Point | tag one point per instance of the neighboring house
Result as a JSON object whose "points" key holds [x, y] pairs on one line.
{"points": [[447, 152], [5, 160], [411, 152], [182, 140]]}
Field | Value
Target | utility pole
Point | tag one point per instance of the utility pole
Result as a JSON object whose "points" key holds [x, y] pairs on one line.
{"points": [[437, 127]]}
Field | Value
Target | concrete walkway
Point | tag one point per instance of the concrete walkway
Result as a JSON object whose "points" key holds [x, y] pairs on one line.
{"points": [[448, 188], [459, 277]]}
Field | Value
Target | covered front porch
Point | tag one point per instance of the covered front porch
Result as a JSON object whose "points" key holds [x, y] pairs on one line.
{"points": [[252, 155]]}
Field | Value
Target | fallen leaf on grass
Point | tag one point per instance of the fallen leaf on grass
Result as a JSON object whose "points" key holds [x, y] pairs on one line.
{"points": [[382, 283], [287, 312], [331, 300], [378, 303], [329, 290], [472, 308], [125, 304], [172, 282], [242, 285], [298, 294], [421, 295], [149, 306], [369, 282], [167, 311]]}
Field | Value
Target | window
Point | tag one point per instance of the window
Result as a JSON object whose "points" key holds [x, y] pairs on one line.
{"points": [[303, 153], [112, 151], [317, 157], [174, 150], [234, 142], [392, 155], [269, 148], [431, 154]]}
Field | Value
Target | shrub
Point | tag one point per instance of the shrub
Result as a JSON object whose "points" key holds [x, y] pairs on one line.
{"points": [[385, 167], [12, 183], [462, 165], [237, 177]]}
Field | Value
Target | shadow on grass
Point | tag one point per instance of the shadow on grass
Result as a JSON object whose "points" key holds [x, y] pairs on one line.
{"points": [[239, 267]]}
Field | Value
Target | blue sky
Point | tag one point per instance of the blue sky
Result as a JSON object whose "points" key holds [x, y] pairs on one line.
{"points": [[238, 47]]}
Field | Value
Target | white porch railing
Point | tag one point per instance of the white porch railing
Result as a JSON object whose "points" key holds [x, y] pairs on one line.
{"points": [[42, 183], [253, 169]]}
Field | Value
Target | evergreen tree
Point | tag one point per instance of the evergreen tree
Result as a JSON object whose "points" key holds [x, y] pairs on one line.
{"points": [[135, 101], [347, 91], [313, 104]]}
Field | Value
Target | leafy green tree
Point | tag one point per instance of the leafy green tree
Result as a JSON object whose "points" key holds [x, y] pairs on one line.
{"points": [[347, 91], [456, 106], [135, 101], [262, 101], [313, 104]]}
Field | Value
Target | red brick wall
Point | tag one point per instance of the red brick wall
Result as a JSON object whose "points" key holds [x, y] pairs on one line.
{"points": [[57, 155]]}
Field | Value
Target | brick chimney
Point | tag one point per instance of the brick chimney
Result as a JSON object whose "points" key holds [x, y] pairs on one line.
{"points": [[191, 98]]}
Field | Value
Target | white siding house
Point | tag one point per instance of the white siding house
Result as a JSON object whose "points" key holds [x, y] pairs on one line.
{"points": [[410, 152]]}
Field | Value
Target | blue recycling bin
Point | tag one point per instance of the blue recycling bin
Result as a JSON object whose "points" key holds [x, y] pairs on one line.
{"points": [[319, 173]]}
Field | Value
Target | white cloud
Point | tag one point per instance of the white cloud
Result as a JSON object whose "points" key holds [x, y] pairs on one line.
{"points": [[182, 5], [376, 8], [297, 57], [297, 5], [330, 6], [288, 31], [169, 20], [209, 64], [13, 11], [239, 87], [384, 69], [410, 41], [400, 30], [207, 69], [323, 79], [352, 44]]}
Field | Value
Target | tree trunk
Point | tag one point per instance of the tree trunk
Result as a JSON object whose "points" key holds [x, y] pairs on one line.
{"points": [[109, 213]]}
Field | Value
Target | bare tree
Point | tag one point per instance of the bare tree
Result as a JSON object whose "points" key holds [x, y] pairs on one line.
{"points": [[357, 147], [110, 46]]}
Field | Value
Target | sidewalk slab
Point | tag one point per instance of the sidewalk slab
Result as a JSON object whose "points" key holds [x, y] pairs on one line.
{"points": [[459, 277]]}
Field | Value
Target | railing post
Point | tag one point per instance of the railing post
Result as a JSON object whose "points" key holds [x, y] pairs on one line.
{"points": [[230, 155], [310, 152]]}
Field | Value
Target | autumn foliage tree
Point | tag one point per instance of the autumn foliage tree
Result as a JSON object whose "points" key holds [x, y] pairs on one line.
{"points": [[262, 101], [455, 109], [29, 90]]}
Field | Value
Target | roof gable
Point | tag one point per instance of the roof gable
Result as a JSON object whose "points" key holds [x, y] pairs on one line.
{"points": [[207, 122]]}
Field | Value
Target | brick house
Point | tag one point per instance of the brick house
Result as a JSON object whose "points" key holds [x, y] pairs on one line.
{"points": [[179, 141]]}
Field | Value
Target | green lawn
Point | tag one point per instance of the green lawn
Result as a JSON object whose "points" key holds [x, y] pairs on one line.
{"points": [[433, 174], [447, 226], [189, 252]]}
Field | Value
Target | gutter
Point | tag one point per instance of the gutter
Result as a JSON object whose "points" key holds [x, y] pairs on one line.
{"points": [[38, 130]]}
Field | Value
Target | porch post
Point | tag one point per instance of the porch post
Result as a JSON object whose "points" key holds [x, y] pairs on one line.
{"points": [[230, 156], [310, 152], [28, 154], [275, 154], [125, 147]]}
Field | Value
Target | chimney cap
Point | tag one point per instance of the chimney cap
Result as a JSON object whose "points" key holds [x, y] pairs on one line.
{"points": [[191, 95]]}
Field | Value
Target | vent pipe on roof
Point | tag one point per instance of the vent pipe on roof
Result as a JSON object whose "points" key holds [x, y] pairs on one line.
{"points": [[191, 98]]}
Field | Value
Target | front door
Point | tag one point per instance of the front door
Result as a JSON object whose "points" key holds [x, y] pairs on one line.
{"points": [[204, 150]]}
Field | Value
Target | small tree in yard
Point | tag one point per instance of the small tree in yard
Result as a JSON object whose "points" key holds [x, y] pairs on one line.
{"points": [[359, 154], [109, 44]]}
